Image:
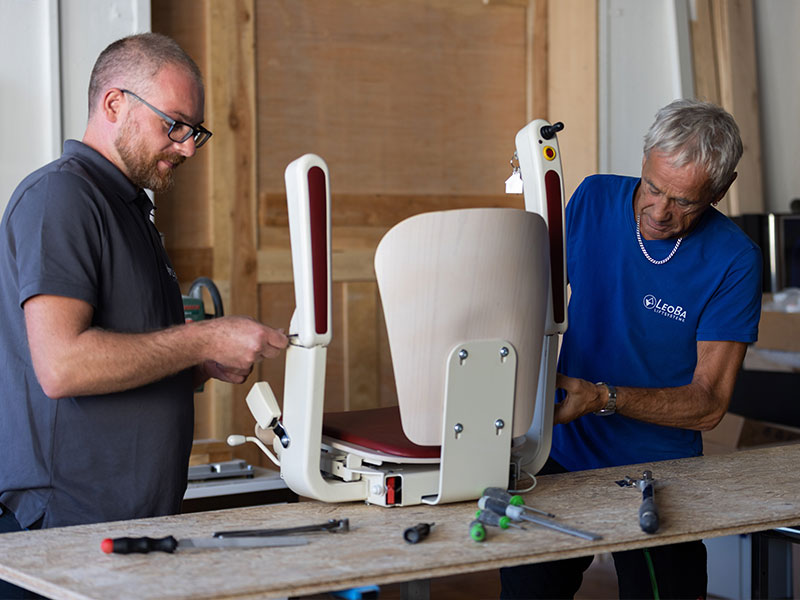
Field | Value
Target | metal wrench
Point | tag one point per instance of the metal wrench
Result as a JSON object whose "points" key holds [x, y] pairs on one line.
{"points": [[331, 525]]}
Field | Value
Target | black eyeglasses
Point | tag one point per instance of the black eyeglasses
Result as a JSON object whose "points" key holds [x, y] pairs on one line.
{"points": [[178, 130]]}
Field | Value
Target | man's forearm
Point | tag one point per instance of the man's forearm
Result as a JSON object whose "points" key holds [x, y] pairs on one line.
{"points": [[689, 406], [699, 405], [101, 362]]}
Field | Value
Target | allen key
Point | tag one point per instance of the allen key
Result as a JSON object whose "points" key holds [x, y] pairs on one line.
{"points": [[331, 526]]}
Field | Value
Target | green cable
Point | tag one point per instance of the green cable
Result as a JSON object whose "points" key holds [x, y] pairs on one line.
{"points": [[652, 572]]}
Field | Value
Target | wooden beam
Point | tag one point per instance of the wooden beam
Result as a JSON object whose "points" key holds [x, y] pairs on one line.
{"points": [[704, 55], [572, 85], [232, 177], [536, 58], [738, 84]]}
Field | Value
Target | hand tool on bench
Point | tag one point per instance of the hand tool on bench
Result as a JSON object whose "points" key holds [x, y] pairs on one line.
{"points": [[477, 531], [648, 513], [331, 526], [488, 517], [143, 545], [417, 532], [515, 500], [517, 514]]}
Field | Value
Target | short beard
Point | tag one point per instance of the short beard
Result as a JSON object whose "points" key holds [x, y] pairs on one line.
{"points": [[142, 169]]}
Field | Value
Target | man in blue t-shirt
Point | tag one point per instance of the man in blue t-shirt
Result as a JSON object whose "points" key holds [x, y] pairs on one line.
{"points": [[665, 297]]}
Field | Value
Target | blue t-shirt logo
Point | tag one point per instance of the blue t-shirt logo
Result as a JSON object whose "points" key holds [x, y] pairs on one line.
{"points": [[658, 306]]}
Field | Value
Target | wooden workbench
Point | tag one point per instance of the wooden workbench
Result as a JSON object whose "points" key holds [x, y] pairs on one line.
{"points": [[704, 497]]}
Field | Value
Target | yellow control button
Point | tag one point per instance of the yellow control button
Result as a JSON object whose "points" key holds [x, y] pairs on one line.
{"points": [[549, 152]]}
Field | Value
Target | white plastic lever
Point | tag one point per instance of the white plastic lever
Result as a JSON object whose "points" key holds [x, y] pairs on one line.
{"points": [[238, 440], [308, 200], [263, 405]]}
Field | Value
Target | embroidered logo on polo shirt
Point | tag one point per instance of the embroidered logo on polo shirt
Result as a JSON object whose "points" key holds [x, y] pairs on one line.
{"points": [[658, 306]]}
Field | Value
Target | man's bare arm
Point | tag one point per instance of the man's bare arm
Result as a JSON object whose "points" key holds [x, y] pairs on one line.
{"points": [[699, 405], [72, 358]]}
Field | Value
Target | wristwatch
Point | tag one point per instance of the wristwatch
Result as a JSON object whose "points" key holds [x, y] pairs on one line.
{"points": [[611, 407]]}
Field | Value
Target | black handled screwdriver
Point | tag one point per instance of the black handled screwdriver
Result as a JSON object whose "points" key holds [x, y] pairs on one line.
{"points": [[648, 513], [417, 533]]}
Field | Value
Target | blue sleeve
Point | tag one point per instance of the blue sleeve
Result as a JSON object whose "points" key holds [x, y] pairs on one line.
{"points": [[734, 310]]}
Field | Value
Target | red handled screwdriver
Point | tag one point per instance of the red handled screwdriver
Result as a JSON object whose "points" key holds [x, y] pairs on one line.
{"points": [[143, 545]]}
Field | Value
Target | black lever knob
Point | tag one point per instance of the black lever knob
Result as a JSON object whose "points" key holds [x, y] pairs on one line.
{"points": [[548, 131]]}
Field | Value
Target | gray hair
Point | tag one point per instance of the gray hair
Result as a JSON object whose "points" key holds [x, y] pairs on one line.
{"points": [[691, 131], [132, 62]]}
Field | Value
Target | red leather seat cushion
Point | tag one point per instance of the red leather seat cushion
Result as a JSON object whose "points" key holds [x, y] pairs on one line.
{"points": [[376, 428]]}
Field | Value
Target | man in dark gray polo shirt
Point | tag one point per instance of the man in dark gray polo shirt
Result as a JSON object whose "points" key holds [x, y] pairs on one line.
{"points": [[97, 365]]}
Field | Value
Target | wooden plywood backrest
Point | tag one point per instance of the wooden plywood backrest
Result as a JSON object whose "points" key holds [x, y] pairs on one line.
{"points": [[449, 277]]}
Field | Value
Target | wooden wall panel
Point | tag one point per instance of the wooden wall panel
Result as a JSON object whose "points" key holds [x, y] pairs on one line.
{"points": [[572, 85], [415, 96], [362, 345], [182, 214], [723, 45], [231, 97], [536, 60]]}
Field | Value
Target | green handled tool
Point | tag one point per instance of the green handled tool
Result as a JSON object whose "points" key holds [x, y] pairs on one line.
{"points": [[492, 519], [517, 514], [477, 531], [515, 500]]}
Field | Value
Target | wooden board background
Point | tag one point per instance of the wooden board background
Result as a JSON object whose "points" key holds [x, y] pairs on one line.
{"points": [[725, 72], [414, 105]]}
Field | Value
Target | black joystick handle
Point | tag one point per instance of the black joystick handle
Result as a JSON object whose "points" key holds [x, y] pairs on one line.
{"points": [[548, 131]]}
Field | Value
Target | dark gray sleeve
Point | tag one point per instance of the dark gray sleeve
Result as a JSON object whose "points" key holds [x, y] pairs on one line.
{"points": [[56, 233]]}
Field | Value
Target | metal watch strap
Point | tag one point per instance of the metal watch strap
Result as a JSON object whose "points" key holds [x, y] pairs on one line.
{"points": [[611, 406]]}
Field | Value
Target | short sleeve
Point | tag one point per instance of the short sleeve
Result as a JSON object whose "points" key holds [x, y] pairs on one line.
{"points": [[734, 310], [55, 233]]}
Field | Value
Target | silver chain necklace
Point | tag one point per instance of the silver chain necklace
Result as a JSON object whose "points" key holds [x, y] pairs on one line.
{"points": [[646, 255]]}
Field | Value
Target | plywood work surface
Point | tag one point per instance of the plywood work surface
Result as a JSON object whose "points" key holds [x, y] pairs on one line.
{"points": [[704, 497]]}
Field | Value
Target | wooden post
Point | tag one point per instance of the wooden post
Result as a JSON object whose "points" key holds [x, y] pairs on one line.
{"points": [[723, 42], [572, 85], [232, 180], [536, 59]]}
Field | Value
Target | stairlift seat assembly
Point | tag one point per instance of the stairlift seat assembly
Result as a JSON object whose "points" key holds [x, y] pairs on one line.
{"points": [[474, 301]]}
